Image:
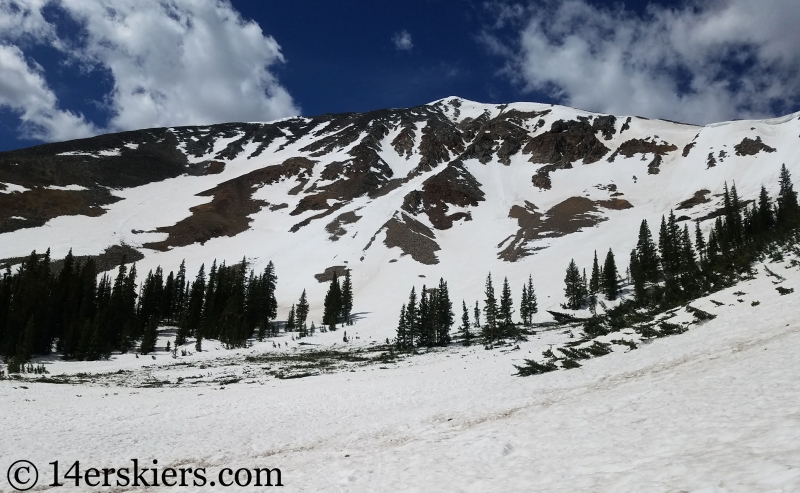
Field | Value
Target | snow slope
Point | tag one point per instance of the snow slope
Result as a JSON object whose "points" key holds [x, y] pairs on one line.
{"points": [[712, 410]]}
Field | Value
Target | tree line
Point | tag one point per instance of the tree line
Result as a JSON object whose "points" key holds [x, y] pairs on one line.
{"points": [[683, 266], [82, 317], [427, 322]]}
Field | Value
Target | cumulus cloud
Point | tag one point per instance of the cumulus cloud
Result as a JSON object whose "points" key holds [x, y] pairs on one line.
{"points": [[24, 90], [402, 41], [184, 62], [705, 61]]}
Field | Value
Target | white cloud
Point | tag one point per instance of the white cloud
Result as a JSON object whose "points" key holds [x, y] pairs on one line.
{"points": [[184, 62], [703, 62], [24, 90], [402, 41]]}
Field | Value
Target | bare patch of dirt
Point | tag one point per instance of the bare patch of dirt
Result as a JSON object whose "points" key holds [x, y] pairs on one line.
{"points": [[699, 197], [412, 237], [228, 212], [335, 229], [750, 147], [567, 217]]}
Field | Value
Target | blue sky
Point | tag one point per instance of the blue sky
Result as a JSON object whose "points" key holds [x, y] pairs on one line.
{"points": [[70, 68]]}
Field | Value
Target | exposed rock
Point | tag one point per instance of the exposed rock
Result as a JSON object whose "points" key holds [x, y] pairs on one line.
{"points": [[640, 146], [564, 218], [335, 229], [452, 186], [688, 148], [711, 161], [652, 168], [565, 143], [412, 237], [331, 273], [699, 197], [228, 212], [39, 205], [750, 147], [404, 142]]}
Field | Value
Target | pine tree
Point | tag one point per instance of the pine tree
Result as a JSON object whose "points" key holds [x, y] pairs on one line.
{"points": [[466, 334], [594, 282], [333, 304], [301, 313], [637, 278], [148, 343], [403, 335], [290, 321], [523, 306], [533, 306], [508, 329], [699, 241], [412, 319], [444, 314], [610, 275], [347, 297], [646, 253], [787, 198], [477, 317], [765, 217], [573, 288], [490, 329]]}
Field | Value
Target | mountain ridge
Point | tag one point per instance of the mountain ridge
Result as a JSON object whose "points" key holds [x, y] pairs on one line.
{"points": [[514, 188]]}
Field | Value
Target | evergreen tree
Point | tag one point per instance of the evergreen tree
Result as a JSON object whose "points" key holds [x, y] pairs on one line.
{"points": [[490, 329], [787, 198], [594, 282], [699, 241], [302, 311], [403, 335], [765, 218], [412, 319], [347, 297], [477, 317], [646, 254], [533, 306], [610, 277], [290, 321], [444, 314], [333, 304], [523, 306], [148, 343], [637, 278], [466, 334], [573, 288], [507, 327]]}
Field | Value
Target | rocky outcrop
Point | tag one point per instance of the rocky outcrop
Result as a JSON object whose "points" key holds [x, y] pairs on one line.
{"points": [[454, 186], [751, 147]]}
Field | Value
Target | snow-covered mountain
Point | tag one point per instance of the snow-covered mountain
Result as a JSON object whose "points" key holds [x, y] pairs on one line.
{"points": [[454, 189]]}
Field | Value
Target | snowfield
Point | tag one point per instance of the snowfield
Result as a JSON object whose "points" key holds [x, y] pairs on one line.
{"points": [[716, 409]]}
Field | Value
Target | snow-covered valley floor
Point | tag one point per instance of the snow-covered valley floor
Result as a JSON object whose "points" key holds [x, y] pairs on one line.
{"points": [[716, 409]]}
